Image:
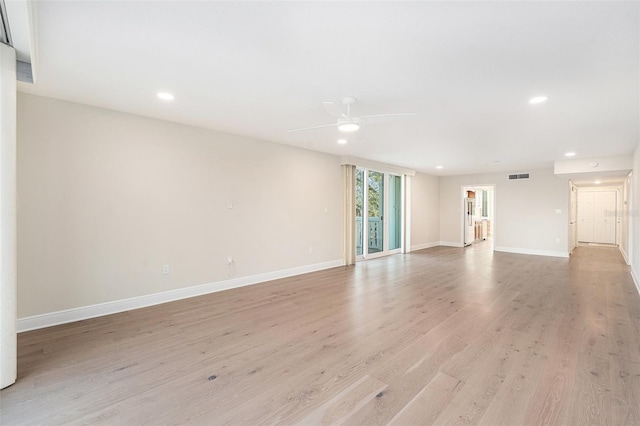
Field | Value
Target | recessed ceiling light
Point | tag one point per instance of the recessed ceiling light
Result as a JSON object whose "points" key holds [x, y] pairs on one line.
{"points": [[342, 141], [537, 100], [348, 127], [569, 154], [597, 182], [165, 96], [439, 167]]}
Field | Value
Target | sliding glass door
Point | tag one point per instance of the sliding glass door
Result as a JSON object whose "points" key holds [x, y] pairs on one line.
{"points": [[360, 205], [374, 234], [395, 212], [375, 207]]}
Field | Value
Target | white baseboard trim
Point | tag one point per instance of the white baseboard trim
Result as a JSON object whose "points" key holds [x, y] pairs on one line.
{"points": [[626, 259], [535, 252], [425, 245], [108, 308], [451, 244], [635, 280]]}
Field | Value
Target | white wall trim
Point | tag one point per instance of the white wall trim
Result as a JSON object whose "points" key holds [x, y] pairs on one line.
{"points": [[451, 244], [635, 280], [425, 245], [626, 259], [108, 308], [535, 252]]}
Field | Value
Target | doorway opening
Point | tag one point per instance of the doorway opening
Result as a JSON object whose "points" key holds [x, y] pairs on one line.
{"points": [[478, 213], [379, 213]]}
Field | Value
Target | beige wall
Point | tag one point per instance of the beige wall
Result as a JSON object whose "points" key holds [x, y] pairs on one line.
{"points": [[425, 211], [634, 213], [105, 199], [525, 211]]}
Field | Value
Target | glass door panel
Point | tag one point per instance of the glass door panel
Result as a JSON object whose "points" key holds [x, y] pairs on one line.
{"points": [[359, 210], [375, 204], [395, 212]]}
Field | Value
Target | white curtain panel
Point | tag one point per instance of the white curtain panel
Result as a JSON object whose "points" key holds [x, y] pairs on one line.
{"points": [[349, 178]]}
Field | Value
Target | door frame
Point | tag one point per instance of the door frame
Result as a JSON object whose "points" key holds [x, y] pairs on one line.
{"points": [[385, 214], [485, 187]]}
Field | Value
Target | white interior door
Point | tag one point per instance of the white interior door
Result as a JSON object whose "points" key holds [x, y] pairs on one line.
{"points": [[604, 217], [585, 216], [573, 218], [469, 207], [597, 216]]}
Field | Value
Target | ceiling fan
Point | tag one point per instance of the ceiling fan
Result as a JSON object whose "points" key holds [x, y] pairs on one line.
{"points": [[346, 123]]}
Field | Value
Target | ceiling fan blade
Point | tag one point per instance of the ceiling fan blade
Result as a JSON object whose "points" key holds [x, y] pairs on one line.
{"points": [[380, 118], [311, 128], [334, 110]]}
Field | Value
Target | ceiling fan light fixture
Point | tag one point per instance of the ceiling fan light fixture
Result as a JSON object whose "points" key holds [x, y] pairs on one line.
{"points": [[348, 127], [165, 96], [538, 100]]}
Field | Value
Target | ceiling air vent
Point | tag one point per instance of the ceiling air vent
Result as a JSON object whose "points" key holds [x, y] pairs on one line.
{"points": [[519, 176]]}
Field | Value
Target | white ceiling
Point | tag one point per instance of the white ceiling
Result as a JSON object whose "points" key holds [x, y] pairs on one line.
{"points": [[260, 68]]}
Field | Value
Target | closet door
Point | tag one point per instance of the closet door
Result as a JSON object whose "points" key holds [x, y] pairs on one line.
{"points": [[585, 216], [573, 218], [604, 217]]}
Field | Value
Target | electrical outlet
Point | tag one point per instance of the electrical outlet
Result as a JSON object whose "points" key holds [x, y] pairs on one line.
{"points": [[310, 249], [229, 260], [165, 269], [557, 240]]}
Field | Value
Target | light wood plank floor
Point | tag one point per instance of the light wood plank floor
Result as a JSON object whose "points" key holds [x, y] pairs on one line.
{"points": [[438, 336]]}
